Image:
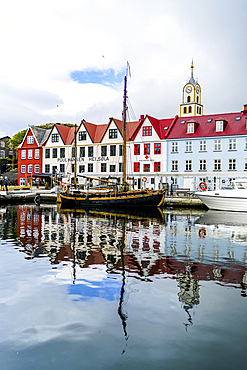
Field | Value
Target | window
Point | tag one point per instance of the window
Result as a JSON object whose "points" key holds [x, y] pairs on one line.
{"points": [[30, 140], [54, 170], [36, 168], [188, 165], [47, 153], [23, 169], [113, 133], [120, 167], [54, 138], [157, 148], [81, 168], [62, 168], [73, 152], [185, 110], [47, 168], [245, 164], [120, 149], [209, 120], [147, 131], [22, 181], [36, 154], [62, 152], [219, 126], [136, 166], [156, 166], [146, 167], [174, 166], [90, 151], [146, 148], [137, 149], [82, 135], [2, 154], [217, 165], [112, 152], [90, 167], [30, 154], [73, 168], [23, 154], [232, 164], [103, 167], [232, 144], [238, 118], [112, 168], [103, 151], [217, 145], [54, 153], [190, 127], [203, 146], [188, 146], [82, 151], [174, 147], [203, 165], [30, 168], [188, 99], [2, 144], [190, 109]]}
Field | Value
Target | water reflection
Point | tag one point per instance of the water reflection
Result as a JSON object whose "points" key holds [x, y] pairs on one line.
{"points": [[189, 246]]}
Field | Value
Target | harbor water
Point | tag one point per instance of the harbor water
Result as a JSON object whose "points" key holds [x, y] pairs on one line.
{"points": [[104, 290]]}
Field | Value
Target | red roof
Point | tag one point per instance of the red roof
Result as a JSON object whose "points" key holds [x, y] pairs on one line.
{"points": [[95, 132], [66, 133], [161, 126], [206, 125]]}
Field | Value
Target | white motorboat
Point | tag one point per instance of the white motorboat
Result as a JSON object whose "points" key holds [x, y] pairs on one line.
{"points": [[230, 199]]}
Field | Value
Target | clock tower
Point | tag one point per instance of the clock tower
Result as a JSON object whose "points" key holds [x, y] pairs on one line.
{"points": [[191, 99]]}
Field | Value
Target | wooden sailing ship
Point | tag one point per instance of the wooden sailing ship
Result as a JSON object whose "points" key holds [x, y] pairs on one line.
{"points": [[117, 195]]}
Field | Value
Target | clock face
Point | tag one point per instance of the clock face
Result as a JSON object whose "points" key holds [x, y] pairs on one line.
{"points": [[197, 90], [188, 89]]}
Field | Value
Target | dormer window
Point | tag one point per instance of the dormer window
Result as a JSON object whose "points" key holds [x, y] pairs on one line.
{"points": [[190, 127], [30, 140], [220, 125], [147, 131], [82, 135], [238, 118]]}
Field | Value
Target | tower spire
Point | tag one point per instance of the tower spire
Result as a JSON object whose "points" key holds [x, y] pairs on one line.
{"points": [[192, 81]]}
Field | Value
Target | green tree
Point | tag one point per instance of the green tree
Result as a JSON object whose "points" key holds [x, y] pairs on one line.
{"points": [[17, 139]]}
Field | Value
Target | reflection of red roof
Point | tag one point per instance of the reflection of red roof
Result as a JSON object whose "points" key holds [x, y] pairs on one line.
{"points": [[235, 125]]}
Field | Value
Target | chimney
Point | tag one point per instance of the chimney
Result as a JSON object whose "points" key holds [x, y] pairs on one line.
{"points": [[142, 116], [245, 108]]}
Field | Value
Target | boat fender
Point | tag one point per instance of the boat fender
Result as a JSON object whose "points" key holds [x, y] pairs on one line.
{"points": [[202, 233], [203, 186], [65, 188], [144, 179]]}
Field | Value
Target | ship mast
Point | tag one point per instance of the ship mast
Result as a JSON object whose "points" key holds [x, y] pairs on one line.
{"points": [[124, 129]]}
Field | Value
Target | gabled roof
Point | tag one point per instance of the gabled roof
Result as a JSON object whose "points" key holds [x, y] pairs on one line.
{"points": [[161, 126], [40, 134], [95, 132], [206, 125], [66, 133]]}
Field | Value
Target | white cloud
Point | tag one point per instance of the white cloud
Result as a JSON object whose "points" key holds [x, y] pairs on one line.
{"points": [[43, 42]]}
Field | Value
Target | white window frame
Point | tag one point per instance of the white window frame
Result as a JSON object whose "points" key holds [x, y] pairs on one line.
{"points": [[202, 165], [30, 154], [219, 126], [217, 145], [188, 147], [203, 146], [29, 139], [217, 164], [232, 164], [30, 168], [188, 165], [174, 166], [232, 144], [23, 168], [190, 128], [174, 148], [36, 168], [36, 154], [2, 144], [23, 154]]}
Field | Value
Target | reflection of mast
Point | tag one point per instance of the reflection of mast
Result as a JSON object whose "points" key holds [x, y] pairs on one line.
{"points": [[123, 316], [73, 251]]}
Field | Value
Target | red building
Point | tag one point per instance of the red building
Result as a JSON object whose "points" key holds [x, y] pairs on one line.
{"points": [[30, 154]]}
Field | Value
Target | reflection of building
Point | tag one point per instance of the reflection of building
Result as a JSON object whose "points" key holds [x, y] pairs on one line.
{"points": [[173, 249]]}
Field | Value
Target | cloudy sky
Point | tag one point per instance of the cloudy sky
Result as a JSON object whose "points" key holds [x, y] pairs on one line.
{"points": [[63, 61]]}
